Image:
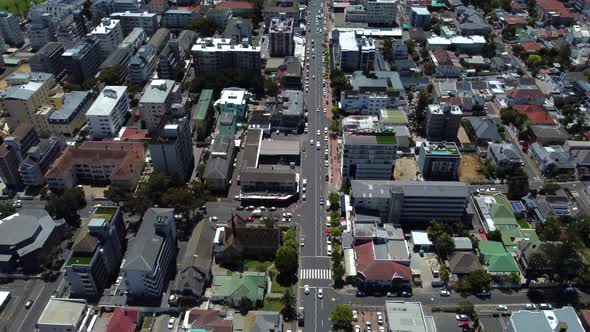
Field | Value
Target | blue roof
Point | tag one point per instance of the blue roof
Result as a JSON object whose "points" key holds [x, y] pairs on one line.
{"points": [[73, 104], [517, 206]]}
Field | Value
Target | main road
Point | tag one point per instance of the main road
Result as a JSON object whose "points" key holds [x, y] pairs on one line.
{"points": [[314, 265]]}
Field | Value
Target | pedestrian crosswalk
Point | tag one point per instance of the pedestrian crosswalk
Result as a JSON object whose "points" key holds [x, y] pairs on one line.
{"points": [[315, 274]]}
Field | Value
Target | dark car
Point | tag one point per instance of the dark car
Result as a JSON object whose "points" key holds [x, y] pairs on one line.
{"points": [[360, 293]]}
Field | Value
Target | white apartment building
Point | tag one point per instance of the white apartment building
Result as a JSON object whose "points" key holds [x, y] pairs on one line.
{"points": [[156, 101], [147, 21], [368, 156], [109, 34], [213, 55], [382, 12], [351, 51], [107, 114]]}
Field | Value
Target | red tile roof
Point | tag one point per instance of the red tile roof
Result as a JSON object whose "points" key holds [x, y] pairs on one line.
{"points": [[210, 320], [123, 320], [125, 157], [535, 113], [442, 57], [515, 19], [134, 134], [374, 269], [236, 5], [531, 46], [194, 9], [526, 93], [555, 6]]}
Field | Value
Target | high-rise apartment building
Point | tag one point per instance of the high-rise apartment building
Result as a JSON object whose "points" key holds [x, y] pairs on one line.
{"points": [[443, 122], [107, 113], [369, 156], [109, 35], [10, 28], [82, 61], [41, 30], [216, 55], [280, 36]]}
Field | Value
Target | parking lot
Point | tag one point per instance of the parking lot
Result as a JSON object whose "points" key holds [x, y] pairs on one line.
{"points": [[367, 318]]}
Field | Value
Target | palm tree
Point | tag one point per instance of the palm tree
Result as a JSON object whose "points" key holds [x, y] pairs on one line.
{"points": [[537, 260]]}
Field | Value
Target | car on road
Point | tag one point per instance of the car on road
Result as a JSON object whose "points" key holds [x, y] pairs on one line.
{"points": [[462, 317], [445, 293], [545, 306], [355, 315], [250, 219], [326, 164], [360, 293], [171, 322], [357, 328], [272, 208], [501, 307], [368, 325], [484, 292], [306, 289], [322, 201], [319, 132], [530, 306], [317, 145], [381, 329], [320, 293], [18, 203], [329, 250], [310, 142], [379, 318], [29, 304], [302, 242]]}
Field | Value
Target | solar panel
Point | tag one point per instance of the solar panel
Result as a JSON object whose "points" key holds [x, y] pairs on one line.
{"points": [[517, 206]]}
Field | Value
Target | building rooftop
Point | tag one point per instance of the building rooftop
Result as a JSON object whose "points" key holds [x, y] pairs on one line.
{"points": [[27, 230], [235, 96], [222, 45], [62, 312], [362, 139], [107, 100], [421, 10], [396, 117], [562, 319], [444, 109], [406, 316], [280, 148], [145, 247], [157, 91], [105, 26], [72, 104], [380, 188], [440, 149], [202, 107]]}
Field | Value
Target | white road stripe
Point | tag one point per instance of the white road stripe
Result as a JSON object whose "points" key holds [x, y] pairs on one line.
{"points": [[318, 274]]}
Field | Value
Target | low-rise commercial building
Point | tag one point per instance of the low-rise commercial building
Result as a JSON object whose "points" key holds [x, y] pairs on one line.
{"points": [[408, 316], [505, 158], [410, 201], [64, 315], [234, 101], [368, 156], [439, 160], [28, 240], [219, 165], [171, 148], [68, 113]]}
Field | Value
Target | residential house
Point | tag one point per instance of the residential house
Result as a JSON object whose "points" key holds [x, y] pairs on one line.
{"points": [[194, 272], [552, 160], [461, 263], [446, 64], [209, 320], [525, 96], [219, 166], [496, 259], [580, 154], [241, 240], [380, 274], [547, 135], [505, 158], [484, 130], [528, 249], [536, 114], [471, 23], [231, 289]]}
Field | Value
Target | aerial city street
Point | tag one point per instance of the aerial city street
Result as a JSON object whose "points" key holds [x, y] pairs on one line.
{"points": [[295, 166]]}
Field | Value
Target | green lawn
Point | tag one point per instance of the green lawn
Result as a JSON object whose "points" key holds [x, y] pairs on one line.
{"points": [[257, 266], [147, 322], [17, 7], [385, 139], [272, 305], [81, 260], [523, 224]]}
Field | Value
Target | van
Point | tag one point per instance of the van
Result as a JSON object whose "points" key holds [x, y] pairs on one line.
{"points": [[257, 213]]}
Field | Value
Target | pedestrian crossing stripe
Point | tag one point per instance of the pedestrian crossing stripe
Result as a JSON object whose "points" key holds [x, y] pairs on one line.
{"points": [[315, 274]]}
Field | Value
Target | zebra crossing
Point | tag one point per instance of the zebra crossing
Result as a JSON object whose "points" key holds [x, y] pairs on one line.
{"points": [[315, 274]]}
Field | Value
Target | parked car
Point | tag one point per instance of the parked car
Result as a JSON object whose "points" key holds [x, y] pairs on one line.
{"points": [[360, 293], [462, 317], [530, 306], [501, 307], [462, 324], [379, 318], [545, 306], [445, 293], [355, 315], [320, 293], [306, 289], [171, 323]]}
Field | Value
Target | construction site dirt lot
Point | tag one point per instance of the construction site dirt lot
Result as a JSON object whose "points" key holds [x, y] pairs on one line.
{"points": [[470, 168], [405, 169]]}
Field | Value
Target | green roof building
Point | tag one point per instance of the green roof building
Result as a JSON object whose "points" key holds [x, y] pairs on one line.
{"points": [[496, 258], [230, 289], [202, 113]]}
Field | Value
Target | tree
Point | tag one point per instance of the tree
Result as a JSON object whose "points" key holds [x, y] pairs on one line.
{"points": [[551, 188], [337, 255], [271, 87], [476, 281], [515, 277], [6, 210], [509, 32], [181, 198], [387, 49], [518, 184], [334, 200], [517, 49], [466, 307], [337, 275], [110, 75], [444, 273], [286, 260], [288, 301], [66, 205], [118, 192], [245, 306], [494, 235], [205, 26], [335, 126], [439, 235], [550, 230], [511, 117], [342, 317], [534, 60]]}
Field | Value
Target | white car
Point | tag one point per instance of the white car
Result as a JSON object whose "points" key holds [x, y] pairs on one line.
{"points": [[18, 203], [306, 289], [355, 315], [357, 328], [379, 318], [320, 293], [462, 317], [545, 306], [310, 142], [171, 323], [501, 307], [317, 145], [318, 132], [317, 110], [445, 293], [326, 164], [305, 130], [530, 306]]}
